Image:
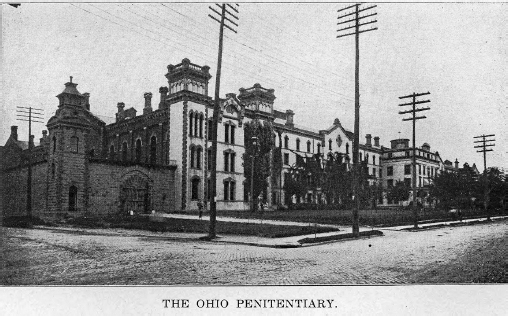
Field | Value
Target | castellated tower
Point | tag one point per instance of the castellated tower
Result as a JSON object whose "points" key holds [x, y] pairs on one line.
{"points": [[71, 131]]}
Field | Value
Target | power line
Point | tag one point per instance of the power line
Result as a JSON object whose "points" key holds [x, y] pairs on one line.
{"points": [[414, 118]]}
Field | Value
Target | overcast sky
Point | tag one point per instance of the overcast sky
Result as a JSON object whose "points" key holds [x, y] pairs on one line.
{"points": [[116, 52]]}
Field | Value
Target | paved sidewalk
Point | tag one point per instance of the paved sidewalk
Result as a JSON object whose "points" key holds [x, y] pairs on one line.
{"points": [[284, 242]]}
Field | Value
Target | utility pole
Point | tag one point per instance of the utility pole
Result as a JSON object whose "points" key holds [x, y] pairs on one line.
{"points": [[484, 144], [414, 118], [355, 20], [29, 115], [224, 17]]}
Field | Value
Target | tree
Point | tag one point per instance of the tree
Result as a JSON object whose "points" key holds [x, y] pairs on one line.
{"points": [[260, 155], [399, 192], [337, 180], [456, 189]]}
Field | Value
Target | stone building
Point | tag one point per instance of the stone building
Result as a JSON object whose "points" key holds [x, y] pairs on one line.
{"points": [[159, 160]]}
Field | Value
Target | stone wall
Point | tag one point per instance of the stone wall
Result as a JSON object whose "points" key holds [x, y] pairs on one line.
{"points": [[106, 182], [15, 190]]}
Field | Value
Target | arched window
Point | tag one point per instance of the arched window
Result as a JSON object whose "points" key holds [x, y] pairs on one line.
{"points": [[112, 152], [319, 148], [201, 126], [199, 151], [209, 158], [210, 129], [298, 144], [195, 188], [229, 190], [73, 198], [196, 123], [232, 136], [191, 121], [330, 144], [74, 144], [124, 151], [192, 155], [138, 150], [229, 161], [54, 144], [308, 146], [153, 150], [347, 148], [226, 133]]}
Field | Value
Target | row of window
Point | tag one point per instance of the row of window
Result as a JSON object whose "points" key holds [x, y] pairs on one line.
{"points": [[229, 189], [196, 154], [407, 182], [137, 151], [196, 124], [427, 170], [418, 154], [229, 132]]}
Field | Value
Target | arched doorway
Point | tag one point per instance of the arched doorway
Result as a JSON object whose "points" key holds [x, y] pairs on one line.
{"points": [[135, 195]]}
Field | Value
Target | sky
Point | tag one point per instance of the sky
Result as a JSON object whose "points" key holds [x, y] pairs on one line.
{"points": [[117, 52]]}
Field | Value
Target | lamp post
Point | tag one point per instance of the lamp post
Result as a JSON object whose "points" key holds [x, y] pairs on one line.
{"points": [[254, 144]]}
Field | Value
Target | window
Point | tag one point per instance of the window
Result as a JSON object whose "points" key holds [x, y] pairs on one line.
{"points": [[330, 144], [361, 157], [210, 129], [195, 188], [308, 146], [298, 144], [319, 148], [380, 172], [373, 160], [124, 151], [201, 119], [286, 158], [286, 142], [112, 152], [209, 161], [74, 144], [389, 155], [226, 133], [229, 190], [407, 182], [389, 171], [199, 151], [407, 153], [245, 192], [232, 136], [419, 169], [389, 183], [138, 150], [153, 150], [420, 182], [347, 148], [192, 156], [73, 198], [190, 123], [229, 161], [407, 169], [54, 144], [196, 123]]}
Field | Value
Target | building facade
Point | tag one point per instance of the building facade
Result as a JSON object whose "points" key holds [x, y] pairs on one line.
{"points": [[160, 160]]}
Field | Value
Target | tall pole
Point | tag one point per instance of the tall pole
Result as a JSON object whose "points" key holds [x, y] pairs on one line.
{"points": [[484, 144], [25, 114], [356, 140], [413, 111], [216, 108]]}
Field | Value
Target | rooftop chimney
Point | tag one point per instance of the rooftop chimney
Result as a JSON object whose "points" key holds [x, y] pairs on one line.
{"points": [[14, 132], [120, 114], [368, 139], [456, 163], [289, 118], [164, 93], [376, 141], [148, 103], [87, 100], [44, 137]]}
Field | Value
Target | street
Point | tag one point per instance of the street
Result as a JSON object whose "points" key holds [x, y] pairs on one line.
{"points": [[52, 257]]}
